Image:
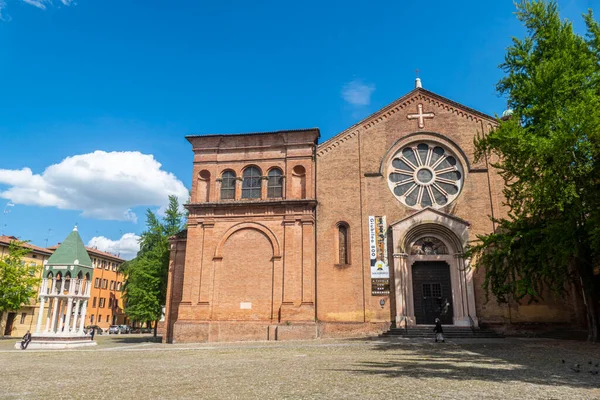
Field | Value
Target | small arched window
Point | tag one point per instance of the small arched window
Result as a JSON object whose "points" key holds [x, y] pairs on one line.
{"points": [[67, 281], [251, 186], [228, 185], [343, 243], [275, 185]]}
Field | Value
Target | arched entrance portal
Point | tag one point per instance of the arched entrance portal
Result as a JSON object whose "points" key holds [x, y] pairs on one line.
{"points": [[432, 278], [432, 292]]}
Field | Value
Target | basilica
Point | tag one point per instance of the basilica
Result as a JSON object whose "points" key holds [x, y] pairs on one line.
{"points": [[290, 238]]}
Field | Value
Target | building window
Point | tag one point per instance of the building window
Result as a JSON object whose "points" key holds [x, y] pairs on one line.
{"points": [[275, 184], [23, 316], [104, 283], [251, 185], [425, 175], [94, 302], [91, 319], [99, 318], [97, 282], [102, 300], [343, 242], [118, 285], [109, 302], [107, 318], [228, 185]]}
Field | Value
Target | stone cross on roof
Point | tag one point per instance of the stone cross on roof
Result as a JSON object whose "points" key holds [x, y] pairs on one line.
{"points": [[420, 116]]}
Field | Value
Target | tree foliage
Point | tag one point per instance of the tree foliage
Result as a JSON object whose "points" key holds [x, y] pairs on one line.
{"points": [[18, 280], [547, 154], [146, 275]]}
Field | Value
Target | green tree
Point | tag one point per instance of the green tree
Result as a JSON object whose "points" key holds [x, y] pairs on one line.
{"points": [[147, 274], [547, 154], [18, 281]]}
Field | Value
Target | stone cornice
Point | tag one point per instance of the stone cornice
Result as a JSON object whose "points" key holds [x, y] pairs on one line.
{"points": [[251, 203]]}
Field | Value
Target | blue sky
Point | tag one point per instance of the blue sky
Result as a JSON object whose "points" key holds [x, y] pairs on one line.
{"points": [[97, 95]]}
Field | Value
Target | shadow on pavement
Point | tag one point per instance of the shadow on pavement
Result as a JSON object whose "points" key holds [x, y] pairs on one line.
{"points": [[131, 339], [538, 362]]}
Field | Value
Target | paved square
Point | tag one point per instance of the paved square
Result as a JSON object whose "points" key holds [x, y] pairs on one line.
{"points": [[131, 367]]}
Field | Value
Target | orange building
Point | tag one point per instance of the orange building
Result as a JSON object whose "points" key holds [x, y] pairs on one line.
{"points": [[105, 307], [17, 322]]}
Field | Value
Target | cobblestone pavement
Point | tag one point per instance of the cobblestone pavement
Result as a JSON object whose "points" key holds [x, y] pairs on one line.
{"points": [[133, 367]]}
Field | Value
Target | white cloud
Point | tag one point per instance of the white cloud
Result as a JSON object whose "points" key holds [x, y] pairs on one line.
{"points": [[41, 4], [101, 185], [126, 247], [38, 3], [358, 93]]}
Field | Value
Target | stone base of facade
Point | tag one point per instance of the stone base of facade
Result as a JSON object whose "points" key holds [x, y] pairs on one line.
{"points": [[334, 330], [57, 342], [234, 331]]}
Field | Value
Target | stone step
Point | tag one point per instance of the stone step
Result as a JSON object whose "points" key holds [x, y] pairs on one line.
{"points": [[451, 332]]}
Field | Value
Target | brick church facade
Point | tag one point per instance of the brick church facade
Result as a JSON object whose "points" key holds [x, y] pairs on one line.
{"points": [[289, 238]]}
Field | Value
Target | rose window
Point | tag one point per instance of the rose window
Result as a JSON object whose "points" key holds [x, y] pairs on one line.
{"points": [[425, 175]]}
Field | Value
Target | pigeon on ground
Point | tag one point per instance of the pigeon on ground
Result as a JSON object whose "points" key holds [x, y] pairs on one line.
{"points": [[596, 365], [589, 362], [575, 368], [594, 372], [563, 361]]}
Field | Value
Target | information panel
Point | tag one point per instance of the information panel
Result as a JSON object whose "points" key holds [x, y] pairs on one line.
{"points": [[378, 254]]}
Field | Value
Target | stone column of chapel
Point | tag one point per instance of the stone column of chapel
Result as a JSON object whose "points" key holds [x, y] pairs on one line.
{"points": [[75, 315], [38, 326], [54, 311], [83, 315], [49, 314], [61, 311], [69, 309]]}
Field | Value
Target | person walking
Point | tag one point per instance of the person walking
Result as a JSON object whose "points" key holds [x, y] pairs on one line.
{"points": [[26, 340], [439, 331], [92, 332]]}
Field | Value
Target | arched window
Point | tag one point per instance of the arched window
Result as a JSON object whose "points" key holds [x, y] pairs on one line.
{"points": [[275, 185], [67, 281], [343, 243], [58, 282], [251, 185], [228, 185]]}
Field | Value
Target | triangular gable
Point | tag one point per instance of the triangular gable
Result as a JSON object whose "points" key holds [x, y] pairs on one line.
{"points": [[399, 104], [431, 212]]}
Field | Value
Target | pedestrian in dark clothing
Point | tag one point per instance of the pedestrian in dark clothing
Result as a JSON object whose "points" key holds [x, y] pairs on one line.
{"points": [[92, 332], [439, 331], [26, 340]]}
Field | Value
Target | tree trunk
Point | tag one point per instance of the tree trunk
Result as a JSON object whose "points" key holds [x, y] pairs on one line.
{"points": [[591, 307], [155, 328]]}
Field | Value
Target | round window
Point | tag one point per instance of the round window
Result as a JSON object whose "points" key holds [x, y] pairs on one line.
{"points": [[425, 175]]}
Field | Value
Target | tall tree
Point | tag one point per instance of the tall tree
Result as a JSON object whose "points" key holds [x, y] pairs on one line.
{"points": [[147, 274], [547, 154], [18, 280]]}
